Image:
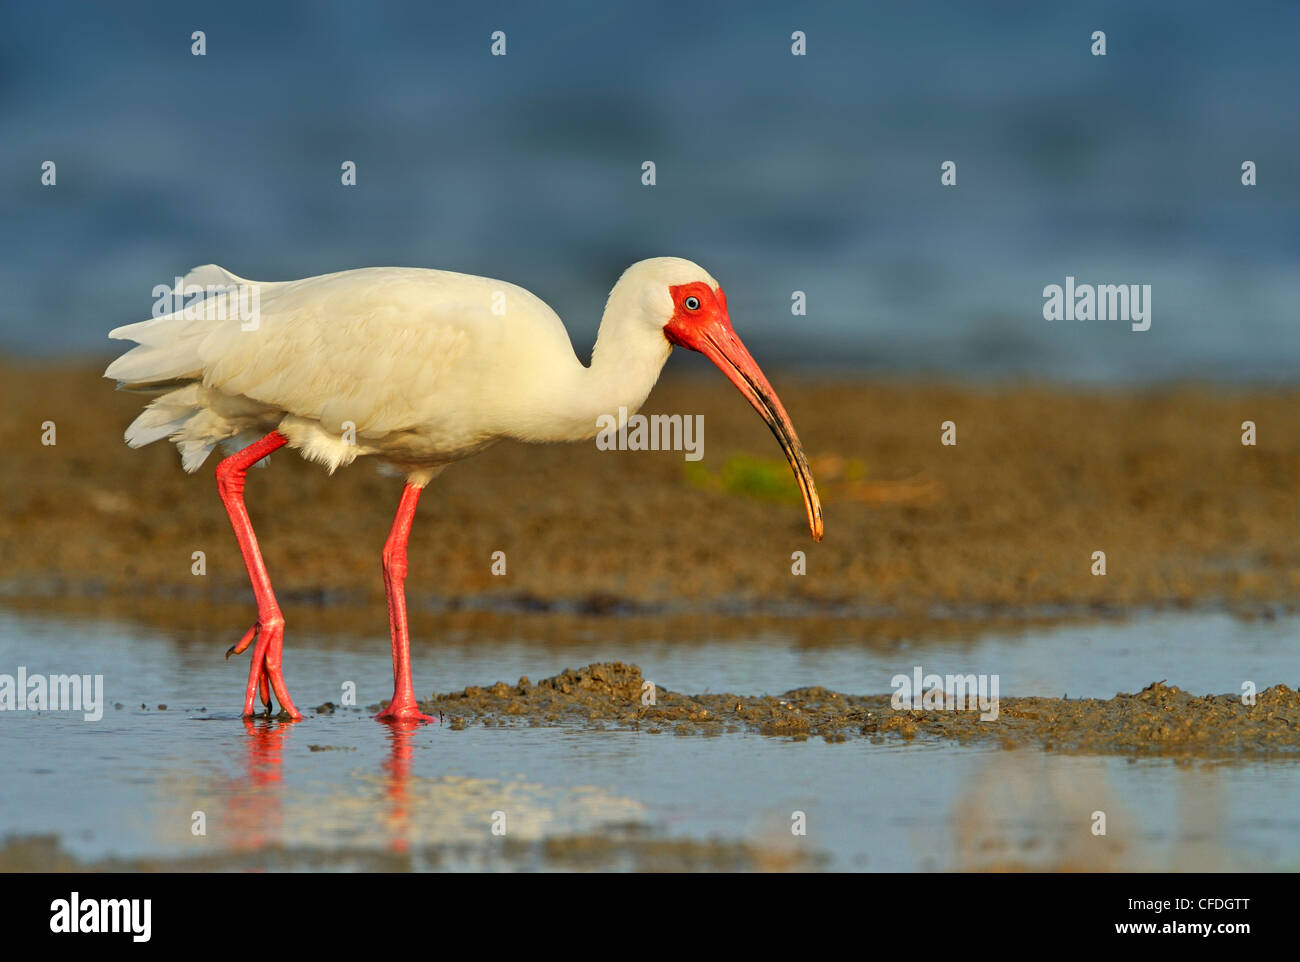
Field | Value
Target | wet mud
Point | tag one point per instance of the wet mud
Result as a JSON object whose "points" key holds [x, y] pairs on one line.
{"points": [[1159, 720]]}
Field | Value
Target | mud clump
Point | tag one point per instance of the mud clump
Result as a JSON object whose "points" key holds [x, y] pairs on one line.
{"points": [[1158, 720], [610, 691], [614, 680]]}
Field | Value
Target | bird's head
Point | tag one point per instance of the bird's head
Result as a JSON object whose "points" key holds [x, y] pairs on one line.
{"points": [[692, 310]]}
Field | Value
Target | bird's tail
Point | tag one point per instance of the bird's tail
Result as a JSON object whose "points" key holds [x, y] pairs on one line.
{"points": [[166, 360], [167, 347]]}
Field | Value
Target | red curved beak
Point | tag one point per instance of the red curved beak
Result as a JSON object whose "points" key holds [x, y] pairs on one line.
{"points": [[717, 341]]}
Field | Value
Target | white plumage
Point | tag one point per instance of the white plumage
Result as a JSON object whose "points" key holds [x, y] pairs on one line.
{"points": [[423, 366]]}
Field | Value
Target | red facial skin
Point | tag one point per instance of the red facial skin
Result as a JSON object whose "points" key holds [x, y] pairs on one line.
{"points": [[706, 328]]}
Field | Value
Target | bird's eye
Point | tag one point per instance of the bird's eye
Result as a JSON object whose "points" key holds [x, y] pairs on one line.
{"points": [[691, 303]]}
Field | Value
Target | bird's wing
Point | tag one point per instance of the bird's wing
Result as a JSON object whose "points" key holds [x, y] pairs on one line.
{"points": [[382, 348], [166, 352]]}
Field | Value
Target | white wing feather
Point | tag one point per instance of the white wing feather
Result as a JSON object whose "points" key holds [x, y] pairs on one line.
{"points": [[387, 350]]}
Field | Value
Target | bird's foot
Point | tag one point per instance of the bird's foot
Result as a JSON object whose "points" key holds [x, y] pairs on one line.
{"points": [[264, 675], [404, 711]]}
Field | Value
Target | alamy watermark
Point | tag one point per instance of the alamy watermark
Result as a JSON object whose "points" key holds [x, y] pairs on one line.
{"points": [[921, 692], [24, 692], [1098, 302], [657, 432], [75, 915], [210, 302]]}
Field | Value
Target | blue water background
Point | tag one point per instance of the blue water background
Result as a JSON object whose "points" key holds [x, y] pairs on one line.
{"points": [[778, 173]]}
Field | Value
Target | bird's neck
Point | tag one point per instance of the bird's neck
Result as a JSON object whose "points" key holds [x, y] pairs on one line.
{"points": [[625, 365]]}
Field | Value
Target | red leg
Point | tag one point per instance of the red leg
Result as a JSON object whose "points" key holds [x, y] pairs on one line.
{"points": [[403, 707], [264, 671]]}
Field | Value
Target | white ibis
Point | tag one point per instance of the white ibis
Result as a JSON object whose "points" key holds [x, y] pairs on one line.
{"points": [[417, 368]]}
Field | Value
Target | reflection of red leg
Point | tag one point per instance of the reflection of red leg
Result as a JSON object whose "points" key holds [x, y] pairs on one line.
{"points": [[403, 706], [253, 815], [269, 629], [399, 773]]}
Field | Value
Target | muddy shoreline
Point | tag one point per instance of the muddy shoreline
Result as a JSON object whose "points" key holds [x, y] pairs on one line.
{"points": [[1159, 720], [922, 539], [1002, 525]]}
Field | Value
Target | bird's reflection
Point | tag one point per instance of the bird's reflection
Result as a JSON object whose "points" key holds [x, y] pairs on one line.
{"points": [[255, 812], [397, 771], [265, 748]]}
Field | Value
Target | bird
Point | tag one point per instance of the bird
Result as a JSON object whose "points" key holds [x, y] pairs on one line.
{"points": [[416, 368]]}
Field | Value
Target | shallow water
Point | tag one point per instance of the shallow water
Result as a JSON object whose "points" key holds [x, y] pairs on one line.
{"points": [[128, 784]]}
